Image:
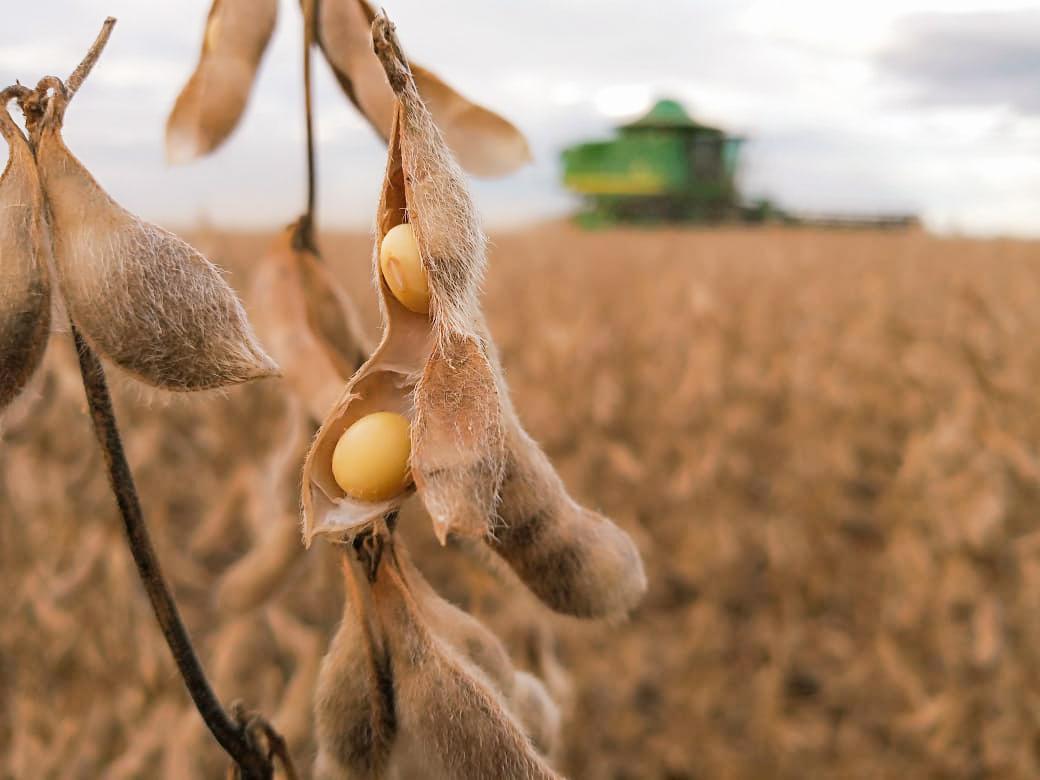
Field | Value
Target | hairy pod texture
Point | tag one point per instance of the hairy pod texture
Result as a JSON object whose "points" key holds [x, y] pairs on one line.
{"points": [[537, 711], [478, 473], [211, 103], [484, 143], [142, 297], [401, 692], [523, 694], [25, 289], [355, 704], [307, 322]]}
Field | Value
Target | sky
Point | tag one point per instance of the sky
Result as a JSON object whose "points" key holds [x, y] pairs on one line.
{"points": [[914, 106]]}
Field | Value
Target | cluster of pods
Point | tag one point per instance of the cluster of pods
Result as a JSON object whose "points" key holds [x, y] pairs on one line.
{"points": [[411, 685], [409, 677]]}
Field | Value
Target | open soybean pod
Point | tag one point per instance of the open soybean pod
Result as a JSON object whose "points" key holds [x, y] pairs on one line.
{"points": [[401, 692], [25, 290], [212, 102], [141, 296], [306, 321], [485, 143], [476, 470], [431, 368]]}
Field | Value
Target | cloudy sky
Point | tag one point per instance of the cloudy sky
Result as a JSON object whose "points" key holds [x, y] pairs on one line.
{"points": [[931, 106]]}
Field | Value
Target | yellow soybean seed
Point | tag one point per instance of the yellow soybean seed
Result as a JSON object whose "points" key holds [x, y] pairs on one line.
{"points": [[370, 462], [405, 276]]}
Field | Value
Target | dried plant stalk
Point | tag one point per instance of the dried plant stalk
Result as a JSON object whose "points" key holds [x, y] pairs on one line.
{"points": [[212, 102], [485, 143], [25, 303], [142, 297], [193, 334], [251, 762], [478, 473]]}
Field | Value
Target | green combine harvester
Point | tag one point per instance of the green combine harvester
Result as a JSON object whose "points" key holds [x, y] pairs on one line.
{"points": [[667, 167], [663, 167]]}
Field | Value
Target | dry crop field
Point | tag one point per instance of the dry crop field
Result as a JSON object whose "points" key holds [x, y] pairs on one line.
{"points": [[826, 446]]}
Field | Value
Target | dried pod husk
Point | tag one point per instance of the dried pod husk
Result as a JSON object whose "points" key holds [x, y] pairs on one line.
{"points": [[464, 633], [449, 720], [342, 30], [141, 296], [485, 143], [306, 321], [413, 686], [354, 704], [25, 290], [211, 103], [436, 371], [474, 466], [535, 709], [523, 694], [476, 469], [575, 560]]}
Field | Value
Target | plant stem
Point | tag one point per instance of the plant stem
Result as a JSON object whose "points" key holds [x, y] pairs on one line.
{"points": [[81, 72], [251, 762], [308, 108]]}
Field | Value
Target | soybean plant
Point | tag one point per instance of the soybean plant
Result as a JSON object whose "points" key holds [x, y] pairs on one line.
{"points": [[410, 684], [138, 296]]}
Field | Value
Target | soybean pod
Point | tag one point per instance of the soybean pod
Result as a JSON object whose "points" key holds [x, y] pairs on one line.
{"points": [[476, 470]]}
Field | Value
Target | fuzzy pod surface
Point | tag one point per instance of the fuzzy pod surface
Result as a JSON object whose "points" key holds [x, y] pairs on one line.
{"points": [[307, 321], [209, 107], [25, 288], [476, 470], [141, 296], [400, 691]]}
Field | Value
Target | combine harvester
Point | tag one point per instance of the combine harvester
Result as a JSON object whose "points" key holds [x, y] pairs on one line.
{"points": [[667, 167]]}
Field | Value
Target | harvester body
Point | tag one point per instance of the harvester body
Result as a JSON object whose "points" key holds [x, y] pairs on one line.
{"points": [[662, 167]]}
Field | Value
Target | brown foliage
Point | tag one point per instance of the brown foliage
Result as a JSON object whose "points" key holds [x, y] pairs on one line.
{"points": [[824, 444]]}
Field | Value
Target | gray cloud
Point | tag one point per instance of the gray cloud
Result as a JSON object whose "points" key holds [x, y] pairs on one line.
{"points": [[988, 59]]}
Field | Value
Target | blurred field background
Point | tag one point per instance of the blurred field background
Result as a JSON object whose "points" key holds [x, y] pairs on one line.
{"points": [[824, 444]]}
